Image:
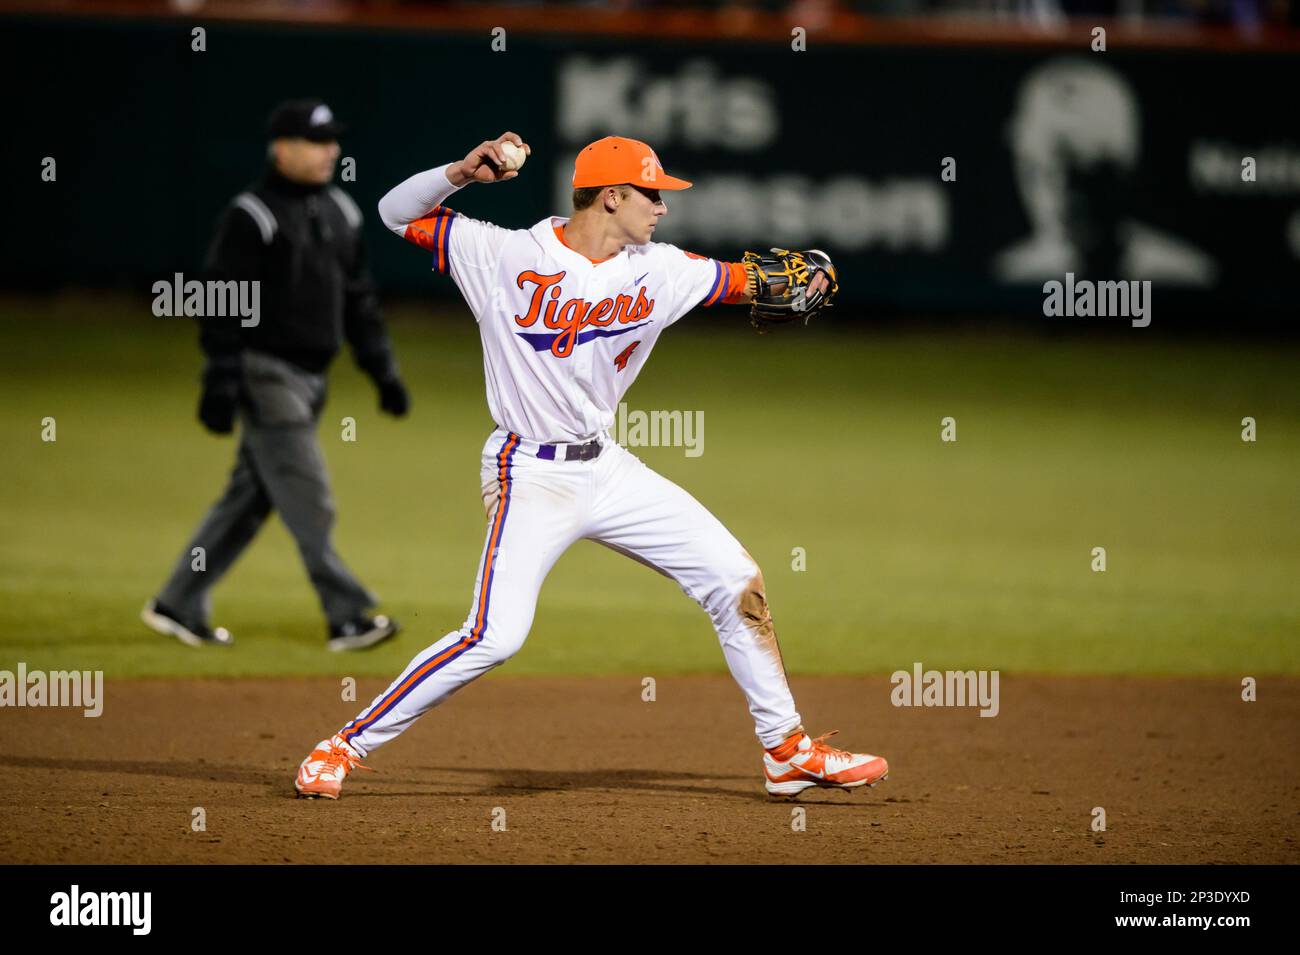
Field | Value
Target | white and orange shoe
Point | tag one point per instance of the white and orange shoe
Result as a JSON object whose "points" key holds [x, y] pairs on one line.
{"points": [[811, 762], [322, 773]]}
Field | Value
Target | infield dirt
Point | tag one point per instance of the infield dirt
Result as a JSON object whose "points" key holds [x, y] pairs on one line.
{"points": [[587, 772]]}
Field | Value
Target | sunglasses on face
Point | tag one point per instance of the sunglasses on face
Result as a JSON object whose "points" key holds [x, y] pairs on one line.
{"points": [[651, 194]]}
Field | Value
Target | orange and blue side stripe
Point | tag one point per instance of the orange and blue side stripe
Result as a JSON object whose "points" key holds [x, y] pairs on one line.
{"points": [[737, 281], [719, 286], [433, 233], [505, 460], [729, 281]]}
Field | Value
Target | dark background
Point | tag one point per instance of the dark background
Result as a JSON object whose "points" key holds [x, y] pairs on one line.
{"points": [[152, 139]]}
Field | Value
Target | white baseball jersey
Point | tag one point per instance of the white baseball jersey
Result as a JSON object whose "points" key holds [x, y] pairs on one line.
{"points": [[563, 337]]}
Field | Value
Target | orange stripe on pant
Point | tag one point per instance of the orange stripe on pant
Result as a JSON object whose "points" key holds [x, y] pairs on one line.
{"points": [[480, 620]]}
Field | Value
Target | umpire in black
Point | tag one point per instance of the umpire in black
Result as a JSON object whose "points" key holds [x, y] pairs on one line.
{"points": [[300, 237]]}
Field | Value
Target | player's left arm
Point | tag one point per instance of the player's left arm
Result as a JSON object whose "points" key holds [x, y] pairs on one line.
{"points": [[701, 281], [707, 282], [741, 282]]}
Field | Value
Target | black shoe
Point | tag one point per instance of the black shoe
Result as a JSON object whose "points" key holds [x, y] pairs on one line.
{"points": [[362, 633], [162, 619]]}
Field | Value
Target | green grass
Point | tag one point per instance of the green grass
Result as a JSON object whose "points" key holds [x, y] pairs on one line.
{"points": [[973, 554]]}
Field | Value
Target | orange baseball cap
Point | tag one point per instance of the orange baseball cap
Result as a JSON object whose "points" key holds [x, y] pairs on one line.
{"points": [[615, 160]]}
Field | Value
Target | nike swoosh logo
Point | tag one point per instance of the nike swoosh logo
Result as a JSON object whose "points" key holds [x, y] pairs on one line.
{"points": [[638, 281], [809, 772], [806, 772]]}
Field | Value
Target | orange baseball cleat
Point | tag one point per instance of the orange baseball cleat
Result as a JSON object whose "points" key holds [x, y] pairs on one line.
{"points": [[322, 773], [814, 763]]}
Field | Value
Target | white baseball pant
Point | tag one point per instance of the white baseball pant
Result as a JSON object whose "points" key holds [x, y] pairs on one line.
{"points": [[536, 509]]}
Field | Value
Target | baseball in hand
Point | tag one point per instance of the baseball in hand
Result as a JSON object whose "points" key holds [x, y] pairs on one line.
{"points": [[514, 155]]}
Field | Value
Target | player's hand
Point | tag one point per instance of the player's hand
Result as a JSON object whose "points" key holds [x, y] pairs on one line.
{"points": [[485, 163], [819, 282]]}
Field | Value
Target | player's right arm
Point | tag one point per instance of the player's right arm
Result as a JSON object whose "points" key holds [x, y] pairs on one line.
{"points": [[485, 161], [414, 209]]}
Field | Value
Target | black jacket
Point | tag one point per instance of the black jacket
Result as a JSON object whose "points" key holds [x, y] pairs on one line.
{"points": [[304, 244]]}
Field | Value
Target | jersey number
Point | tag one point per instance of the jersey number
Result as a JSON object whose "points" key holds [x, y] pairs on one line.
{"points": [[620, 360]]}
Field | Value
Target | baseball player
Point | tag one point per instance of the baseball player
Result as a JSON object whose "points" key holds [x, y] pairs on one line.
{"points": [[568, 312]]}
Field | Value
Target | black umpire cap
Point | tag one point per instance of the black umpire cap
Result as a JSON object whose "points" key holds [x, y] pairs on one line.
{"points": [[304, 119]]}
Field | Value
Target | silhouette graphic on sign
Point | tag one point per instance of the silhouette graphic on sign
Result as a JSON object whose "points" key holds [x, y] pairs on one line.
{"points": [[1075, 136]]}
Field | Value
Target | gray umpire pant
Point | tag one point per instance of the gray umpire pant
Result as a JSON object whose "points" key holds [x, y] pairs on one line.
{"points": [[279, 466]]}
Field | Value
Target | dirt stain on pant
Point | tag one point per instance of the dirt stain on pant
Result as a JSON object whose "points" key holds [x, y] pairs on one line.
{"points": [[758, 617]]}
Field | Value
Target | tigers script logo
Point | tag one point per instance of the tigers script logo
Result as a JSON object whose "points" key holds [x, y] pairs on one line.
{"points": [[577, 320]]}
